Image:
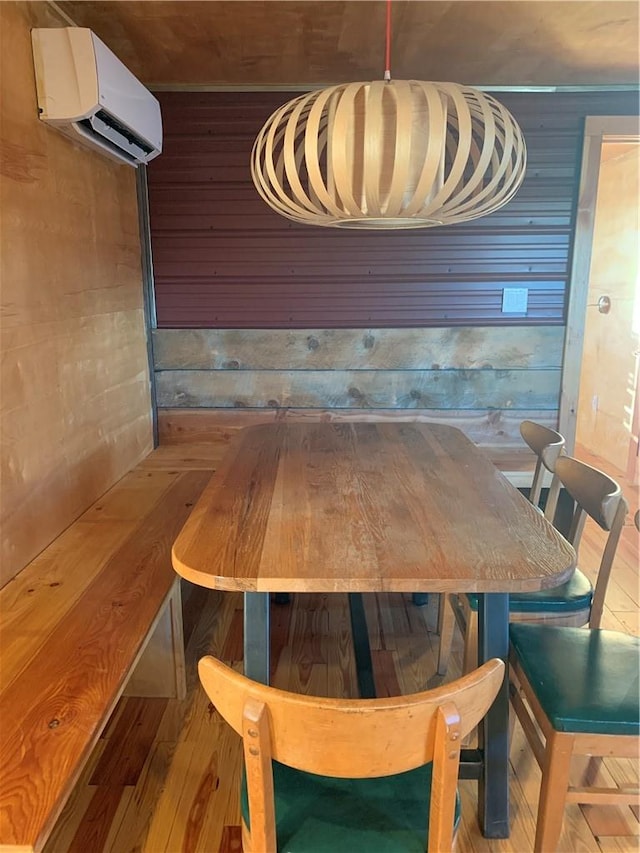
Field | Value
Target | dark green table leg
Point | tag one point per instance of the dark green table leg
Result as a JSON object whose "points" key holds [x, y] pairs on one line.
{"points": [[256, 636], [361, 647], [493, 792]]}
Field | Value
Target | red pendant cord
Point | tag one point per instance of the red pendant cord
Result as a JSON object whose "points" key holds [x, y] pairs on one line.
{"points": [[387, 60]]}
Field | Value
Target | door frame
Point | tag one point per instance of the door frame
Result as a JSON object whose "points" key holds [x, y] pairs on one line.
{"points": [[597, 130]]}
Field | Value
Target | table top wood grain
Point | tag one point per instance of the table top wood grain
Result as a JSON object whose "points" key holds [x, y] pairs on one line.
{"points": [[362, 507]]}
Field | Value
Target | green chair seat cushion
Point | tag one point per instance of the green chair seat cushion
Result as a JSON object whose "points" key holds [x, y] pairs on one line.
{"points": [[586, 680], [320, 814], [569, 597]]}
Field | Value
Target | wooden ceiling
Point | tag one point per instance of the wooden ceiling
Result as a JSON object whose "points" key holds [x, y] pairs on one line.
{"points": [[305, 44]]}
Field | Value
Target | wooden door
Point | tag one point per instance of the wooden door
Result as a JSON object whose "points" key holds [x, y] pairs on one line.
{"points": [[608, 379]]}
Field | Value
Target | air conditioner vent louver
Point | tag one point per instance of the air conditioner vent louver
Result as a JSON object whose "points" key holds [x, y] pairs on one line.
{"points": [[113, 123], [105, 126]]}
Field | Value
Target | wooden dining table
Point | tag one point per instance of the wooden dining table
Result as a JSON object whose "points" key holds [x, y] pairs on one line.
{"points": [[374, 507]]}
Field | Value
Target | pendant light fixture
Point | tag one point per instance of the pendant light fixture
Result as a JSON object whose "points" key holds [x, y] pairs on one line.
{"points": [[389, 154]]}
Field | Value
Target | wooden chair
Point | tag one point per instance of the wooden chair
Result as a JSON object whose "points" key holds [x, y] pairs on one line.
{"points": [[576, 602], [575, 692], [350, 774], [548, 446]]}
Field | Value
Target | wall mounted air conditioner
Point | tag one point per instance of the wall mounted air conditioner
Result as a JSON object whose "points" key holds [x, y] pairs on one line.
{"points": [[86, 92]]}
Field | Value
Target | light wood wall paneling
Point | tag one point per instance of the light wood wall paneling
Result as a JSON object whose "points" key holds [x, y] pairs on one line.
{"points": [[352, 349], [75, 413], [365, 389]]}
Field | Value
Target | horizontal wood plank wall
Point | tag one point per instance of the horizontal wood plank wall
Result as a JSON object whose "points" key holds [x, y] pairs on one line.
{"points": [[358, 349], [224, 259], [467, 376], [76, 410], [368, 389]]}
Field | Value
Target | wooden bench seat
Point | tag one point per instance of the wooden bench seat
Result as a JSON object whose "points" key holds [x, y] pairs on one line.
{"points": [[95, 615]]}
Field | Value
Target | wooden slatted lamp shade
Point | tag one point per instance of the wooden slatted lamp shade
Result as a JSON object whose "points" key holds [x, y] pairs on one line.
{"points": [[389, 154]]}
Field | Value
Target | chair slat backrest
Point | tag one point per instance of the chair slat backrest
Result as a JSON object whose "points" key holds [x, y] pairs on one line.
{"points": [[350, 738], [548, 445], [598, 496]]}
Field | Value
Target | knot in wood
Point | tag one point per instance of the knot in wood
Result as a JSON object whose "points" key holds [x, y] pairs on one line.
{"points": [[53, 724]]}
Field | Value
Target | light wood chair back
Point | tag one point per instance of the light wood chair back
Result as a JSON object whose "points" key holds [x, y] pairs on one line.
{"points": [[548, 446], [350, 738], [599, 497]]}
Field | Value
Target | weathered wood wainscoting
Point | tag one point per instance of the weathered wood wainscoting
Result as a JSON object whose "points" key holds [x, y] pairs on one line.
{"points": [[75, 413], [484, 380]]}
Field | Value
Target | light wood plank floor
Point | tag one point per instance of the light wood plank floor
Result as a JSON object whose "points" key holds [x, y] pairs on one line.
{"points": [[164, 777]]}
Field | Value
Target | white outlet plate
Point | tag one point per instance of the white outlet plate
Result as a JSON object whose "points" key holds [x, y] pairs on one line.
{"points": [[515, 300]]}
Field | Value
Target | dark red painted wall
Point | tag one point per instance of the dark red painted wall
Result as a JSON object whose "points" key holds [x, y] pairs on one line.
{"points": [[223, 259]]}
